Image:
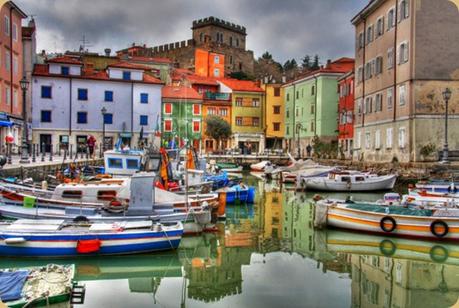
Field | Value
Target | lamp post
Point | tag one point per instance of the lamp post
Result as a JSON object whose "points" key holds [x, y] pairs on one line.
{"points": [[446, 97], [25, 147], [103, 111]]}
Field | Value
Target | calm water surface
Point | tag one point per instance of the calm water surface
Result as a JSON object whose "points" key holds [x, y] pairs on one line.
{"points": [[269, 255]]}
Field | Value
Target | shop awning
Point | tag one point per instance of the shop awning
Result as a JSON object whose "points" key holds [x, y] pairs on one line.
{"points": [[6, 123]]}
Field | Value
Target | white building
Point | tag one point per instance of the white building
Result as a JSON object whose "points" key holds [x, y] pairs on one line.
{"points": [[68, 99]]}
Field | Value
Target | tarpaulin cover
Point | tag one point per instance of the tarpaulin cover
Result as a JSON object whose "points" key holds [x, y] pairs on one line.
{"points": [[11, 284]]}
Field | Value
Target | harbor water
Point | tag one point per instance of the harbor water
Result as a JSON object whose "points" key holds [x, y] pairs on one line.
{"points": [[269, 255]]}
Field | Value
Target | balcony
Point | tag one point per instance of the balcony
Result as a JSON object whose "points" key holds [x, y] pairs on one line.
{"points": [[217, 96]]}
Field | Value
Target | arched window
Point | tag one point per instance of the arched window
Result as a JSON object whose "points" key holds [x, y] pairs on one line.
{"points": [[231, 41], [201, 36]]}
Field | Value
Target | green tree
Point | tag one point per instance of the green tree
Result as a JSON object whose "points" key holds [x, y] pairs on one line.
{"points": [[218, 129], [315, 63], [240, 76], [306, 62], [267, 56], [290, 65]]}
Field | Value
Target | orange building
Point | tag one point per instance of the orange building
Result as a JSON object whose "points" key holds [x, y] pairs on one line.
{"points": [[209, 64], [11, 55]]}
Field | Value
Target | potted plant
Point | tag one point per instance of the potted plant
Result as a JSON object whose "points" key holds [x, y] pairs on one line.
{"points": [[428, 152]]}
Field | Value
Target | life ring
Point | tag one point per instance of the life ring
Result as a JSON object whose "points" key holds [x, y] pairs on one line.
{"points": [[439, 254], [387, 248], [386, 220], [439, 224]]}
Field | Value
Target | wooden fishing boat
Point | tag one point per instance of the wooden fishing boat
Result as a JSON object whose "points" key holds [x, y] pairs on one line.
{"points": [[229, 167], [437, 224], [25, 287], [349, 181], [239, 193], [58, 238]]}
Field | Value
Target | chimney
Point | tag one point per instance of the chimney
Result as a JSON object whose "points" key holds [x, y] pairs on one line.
{"points": [[328, 63], [108, 51]]}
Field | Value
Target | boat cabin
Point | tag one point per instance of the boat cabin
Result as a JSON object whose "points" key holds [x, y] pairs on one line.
{"points": [[119, 162], [347, 177]]}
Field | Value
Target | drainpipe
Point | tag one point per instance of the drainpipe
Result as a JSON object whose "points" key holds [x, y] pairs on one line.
{"points": [[363, 70], [315, 107], [294, 113], [11, 62], [395, 60], [70, 109]]}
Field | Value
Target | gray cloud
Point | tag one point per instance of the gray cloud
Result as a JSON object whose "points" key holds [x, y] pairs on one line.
{"points": [[288, 28]]}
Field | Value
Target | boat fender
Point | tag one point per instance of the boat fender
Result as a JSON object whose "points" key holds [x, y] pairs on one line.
{"points": [[439, 254], [15, 240], [81, 219], [439, 228], [387, 248], [88, 246], [387, 220]]}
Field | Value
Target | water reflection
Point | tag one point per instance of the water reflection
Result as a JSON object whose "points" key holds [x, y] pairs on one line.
{"points": [[269, 255]]}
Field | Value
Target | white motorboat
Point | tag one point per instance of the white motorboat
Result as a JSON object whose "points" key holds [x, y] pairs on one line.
{"points": [[261, 166], [349, 181]]}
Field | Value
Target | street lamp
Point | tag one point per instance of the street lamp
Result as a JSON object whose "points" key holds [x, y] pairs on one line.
{"points": [[104, 112], [25, 147], [446, 98]]}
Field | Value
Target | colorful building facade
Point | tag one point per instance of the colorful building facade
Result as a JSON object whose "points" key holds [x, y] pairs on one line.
{"points": [[311, 106], [181, 116], [209, 64], [346, 114], [247, 115], [275, 113]]}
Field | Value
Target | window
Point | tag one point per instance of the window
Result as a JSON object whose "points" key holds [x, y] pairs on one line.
{"points": [[167, 125], [224, 112], [360, 74], [255, 121], [231, 41], [115, 163], [7, 25], [378, 102], [46, 92], [82, 117], [403, 53], [404, 10], [72, 194], [390, 98], [143, 120], [379, 65], [312, 127], [313, 90], [361, 40], [370, 34], [196, 109], [377, 139], [391, 19], [237, 42], [288, 130], [46, 116], [126, 75], [288, 96], [201, 36], [108, 118], [401, 137], [277, 92], [15, 65], [239, 121], [65, 70], [144, 98], [256, 102], [106, 195], [297, 94], [217, 72], [313, 109], [390, 58], [367, 141], [238, 101], [196, 126], [217, 59], [277, 109], [168, 108], [109, 96], [358, 142], [82, 94], [402, 95], [15, 32], [368, 73], [211, 111], [389, 138], [368, 105], [380, 27], [7, 60], [132, 163], [287, 113], [359, 106], [15, 98], [276, 127]]}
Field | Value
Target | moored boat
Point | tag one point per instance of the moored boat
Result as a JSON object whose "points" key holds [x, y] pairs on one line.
{"points": [[239, 193], [349, 181], [58, 238], [229, 167], [435, 224], [261, 166]]}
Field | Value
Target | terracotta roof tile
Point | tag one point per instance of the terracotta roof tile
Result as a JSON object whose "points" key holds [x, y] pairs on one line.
{"points": [[128, 65], [180, 92], [65, 60], [241, 85], [150, 59]]}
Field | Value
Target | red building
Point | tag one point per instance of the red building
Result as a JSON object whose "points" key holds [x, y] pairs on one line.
{"points": [[346, 113]]}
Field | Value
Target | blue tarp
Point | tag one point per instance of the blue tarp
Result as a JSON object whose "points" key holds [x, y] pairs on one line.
{"points": [[11, 285], [6, 123]]}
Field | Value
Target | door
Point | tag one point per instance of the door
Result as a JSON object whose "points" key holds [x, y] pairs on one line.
{"points": [[45, 143], [82, 142]]}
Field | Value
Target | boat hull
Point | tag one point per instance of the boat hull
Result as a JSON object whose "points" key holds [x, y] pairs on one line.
{"points": [[325, 184]]}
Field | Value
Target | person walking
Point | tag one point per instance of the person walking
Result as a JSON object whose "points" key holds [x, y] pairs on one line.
{"points": [[91, 143]]}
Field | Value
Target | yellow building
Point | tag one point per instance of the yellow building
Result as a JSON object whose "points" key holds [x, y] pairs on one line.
{"points": [[275, 110]]}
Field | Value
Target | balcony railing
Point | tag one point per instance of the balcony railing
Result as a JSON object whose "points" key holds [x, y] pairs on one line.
{"points": [[217, 96]]}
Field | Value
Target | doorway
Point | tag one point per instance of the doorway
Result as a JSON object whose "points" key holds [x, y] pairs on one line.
{"points": [[45, 143]]}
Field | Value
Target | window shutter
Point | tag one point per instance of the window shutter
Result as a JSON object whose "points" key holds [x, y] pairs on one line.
{"points": [[406, 53]]}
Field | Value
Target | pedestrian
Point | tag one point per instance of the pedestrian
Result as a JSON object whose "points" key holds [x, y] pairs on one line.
{"points": [[91, 143], [309, 150]]}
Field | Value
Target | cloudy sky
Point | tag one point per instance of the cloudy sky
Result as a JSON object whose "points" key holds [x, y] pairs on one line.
{"points": [[286, 28]]}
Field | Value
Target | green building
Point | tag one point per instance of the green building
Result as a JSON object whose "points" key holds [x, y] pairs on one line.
{"points": [[311, 106], [181, 116]]}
